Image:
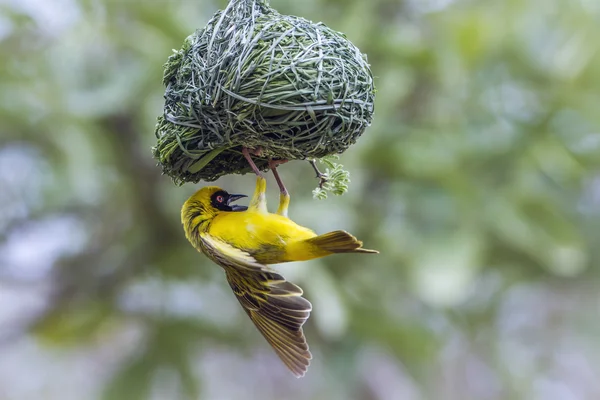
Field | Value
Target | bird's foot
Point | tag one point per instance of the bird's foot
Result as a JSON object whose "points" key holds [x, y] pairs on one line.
{"points": [[275, 163], [258, 151]]}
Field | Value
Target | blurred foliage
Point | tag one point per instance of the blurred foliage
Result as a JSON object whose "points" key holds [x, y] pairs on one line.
{"points": [[478, 182]]}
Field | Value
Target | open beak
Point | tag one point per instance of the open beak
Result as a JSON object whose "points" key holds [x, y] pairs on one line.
{"points": [[235, 207]]}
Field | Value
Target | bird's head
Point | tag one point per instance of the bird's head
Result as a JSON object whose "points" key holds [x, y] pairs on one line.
{"points": [[207, 202]]}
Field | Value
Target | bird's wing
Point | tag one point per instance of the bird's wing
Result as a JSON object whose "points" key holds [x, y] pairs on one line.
{"points": [[275, 305]]}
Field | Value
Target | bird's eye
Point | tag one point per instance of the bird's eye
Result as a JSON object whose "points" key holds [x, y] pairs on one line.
{"points": [[220, 199]]}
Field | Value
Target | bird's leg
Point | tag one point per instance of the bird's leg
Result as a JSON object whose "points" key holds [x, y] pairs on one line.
{"points": [[322, 177], [246, 154], [259, 200], [284, 196]]}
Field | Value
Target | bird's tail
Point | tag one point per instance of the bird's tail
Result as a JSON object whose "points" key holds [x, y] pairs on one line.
{"points": [[339, 242]]}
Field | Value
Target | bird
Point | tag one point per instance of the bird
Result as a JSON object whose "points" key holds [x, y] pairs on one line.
{"points": [[244, 241]]}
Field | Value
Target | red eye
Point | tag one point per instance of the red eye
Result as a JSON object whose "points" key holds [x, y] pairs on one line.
{"points": [[220, 199]]}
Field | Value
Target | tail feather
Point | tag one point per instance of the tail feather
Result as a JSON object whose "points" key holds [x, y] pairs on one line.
{"points": [[339, 242]]}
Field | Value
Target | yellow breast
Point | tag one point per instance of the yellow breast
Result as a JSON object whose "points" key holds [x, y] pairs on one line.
{"points": [[268, 237]]}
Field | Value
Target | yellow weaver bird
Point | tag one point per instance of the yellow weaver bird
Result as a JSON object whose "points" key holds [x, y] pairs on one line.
{"points": [[244, 240]]}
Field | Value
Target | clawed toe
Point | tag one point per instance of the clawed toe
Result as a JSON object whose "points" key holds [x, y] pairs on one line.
{"points": [[275, 163]]}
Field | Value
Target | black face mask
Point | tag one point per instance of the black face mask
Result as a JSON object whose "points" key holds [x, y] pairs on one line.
{"points": [[221, 201]]}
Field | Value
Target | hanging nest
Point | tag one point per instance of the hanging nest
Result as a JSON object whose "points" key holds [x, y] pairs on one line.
{"points": [[258, 79]]}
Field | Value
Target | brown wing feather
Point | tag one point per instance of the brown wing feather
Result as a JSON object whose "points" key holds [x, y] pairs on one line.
{"points": [[275, 305]]}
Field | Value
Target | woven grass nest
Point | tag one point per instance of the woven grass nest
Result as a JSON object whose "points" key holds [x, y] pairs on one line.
{"points": [[258, 79]]}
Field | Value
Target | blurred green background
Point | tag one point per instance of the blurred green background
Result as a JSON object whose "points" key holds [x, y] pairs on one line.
{"points": [[478, 181]]}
